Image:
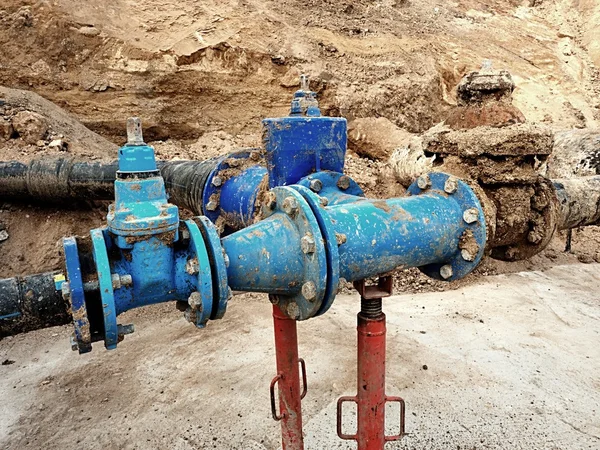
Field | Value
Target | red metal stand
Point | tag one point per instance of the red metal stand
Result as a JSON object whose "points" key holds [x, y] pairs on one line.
{"points": [[371, 398], [288, 381]]}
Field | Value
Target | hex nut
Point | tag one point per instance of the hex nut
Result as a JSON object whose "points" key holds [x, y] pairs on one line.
{"points": [[195, 301], [451, 185], [471, 215], [534, 237], [467, 255], [290, 206], [212, 205], [293, 311], [217, 181], [307, 244], [315, 185], [324, 201], [309, 291], [343, 183], [446, 271], [271, 201], [192, 267], [424, 182]]}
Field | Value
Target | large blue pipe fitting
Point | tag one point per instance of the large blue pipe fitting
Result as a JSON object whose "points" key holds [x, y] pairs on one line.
{"points": [[145, 255], [231, 193], [305, 246]]}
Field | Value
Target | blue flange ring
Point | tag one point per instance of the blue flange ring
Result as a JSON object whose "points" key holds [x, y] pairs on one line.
{"points": [[221, 291], [307, 302], [471, 245], [204, 308], [331, 246], [81, 322], [334, 186], [109, 313]]}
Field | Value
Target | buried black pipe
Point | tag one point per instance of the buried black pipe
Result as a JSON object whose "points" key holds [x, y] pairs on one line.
{"points": [[60, 179], [31, 302]]}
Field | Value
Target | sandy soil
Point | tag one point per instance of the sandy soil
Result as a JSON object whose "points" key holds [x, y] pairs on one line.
{"points": [[512, 363]]}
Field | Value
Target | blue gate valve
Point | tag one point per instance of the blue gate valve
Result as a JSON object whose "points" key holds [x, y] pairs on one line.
{"points": [[144, 255]]}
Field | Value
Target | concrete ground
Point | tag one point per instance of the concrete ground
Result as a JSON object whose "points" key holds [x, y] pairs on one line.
{"points": [[513, 362]]}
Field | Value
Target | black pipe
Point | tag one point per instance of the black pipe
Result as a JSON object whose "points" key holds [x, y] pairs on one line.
{"points": [[31, 302], [60, 179]]}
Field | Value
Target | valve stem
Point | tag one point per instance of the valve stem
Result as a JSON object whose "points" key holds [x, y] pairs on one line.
{"points": [[134, 131]]}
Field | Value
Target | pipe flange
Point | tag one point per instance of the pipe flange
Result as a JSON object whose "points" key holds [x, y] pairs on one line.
{"points": [[330, 241], [218, 266], [336, 187], [471, 245], [211, 196], [107, 295], [74, 290], [200, 302], [543, 224], [309, 297]]}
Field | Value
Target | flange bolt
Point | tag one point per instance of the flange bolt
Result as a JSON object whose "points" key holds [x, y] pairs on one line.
{"points": [[309, 291], [424, 182], [315, 185], [343, 183], [446, 271], [451, 185], [290, 206], [471, 215]]}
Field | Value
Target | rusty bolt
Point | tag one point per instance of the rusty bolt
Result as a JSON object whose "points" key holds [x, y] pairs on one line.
{"points": [[446, 271], [343, 183], [66, 291], [122, 330], [424, 182], [192, 267], [74, 345], [307, 243], [185, 233], [467, 255], [217, 181], [451, 185], [340, 238], [212, 205], [315, 185], [293, 311], [271, 200], [309, 291], [290, 206], [471, 215], [534, 237], [254, 155], [324, 201], [195, 301]]}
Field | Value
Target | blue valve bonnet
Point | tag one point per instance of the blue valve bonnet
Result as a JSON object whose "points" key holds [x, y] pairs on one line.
{"points": [[303, 142], [136, 156]]}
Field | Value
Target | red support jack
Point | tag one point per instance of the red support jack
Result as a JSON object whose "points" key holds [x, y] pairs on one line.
{"points": [[288, 381], [371, 398]]}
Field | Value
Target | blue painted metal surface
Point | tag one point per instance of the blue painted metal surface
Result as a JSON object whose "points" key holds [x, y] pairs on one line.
{"points": [[232, 188], [304, 142], [82, 335], [439, 229], [145, 255]]}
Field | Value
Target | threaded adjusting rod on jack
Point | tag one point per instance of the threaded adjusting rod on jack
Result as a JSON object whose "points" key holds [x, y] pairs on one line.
{"points": [[371, 399]]}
